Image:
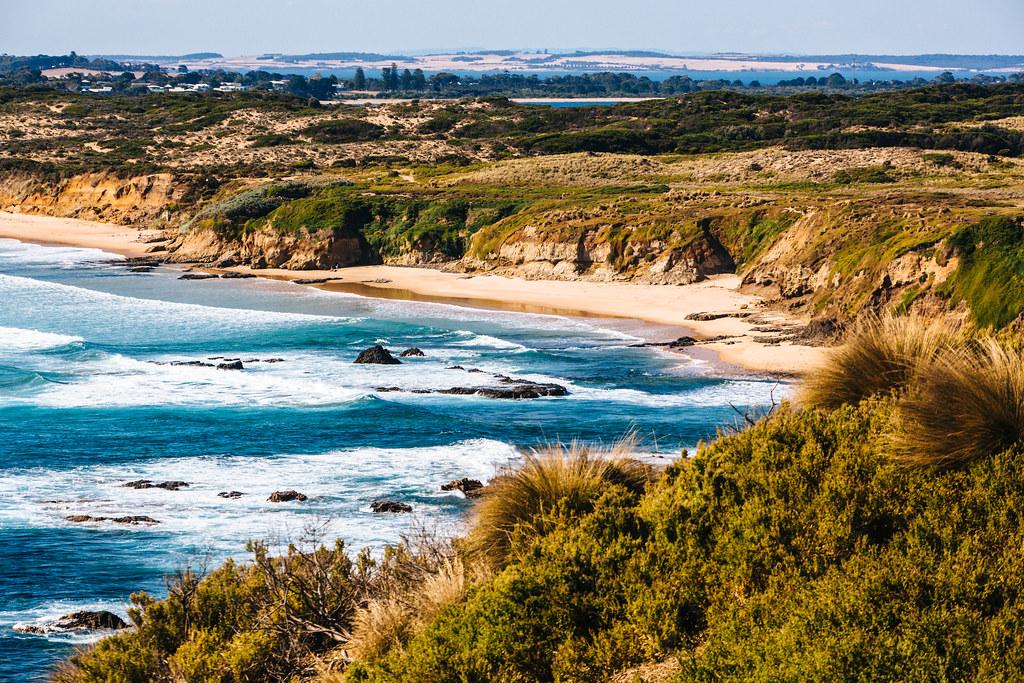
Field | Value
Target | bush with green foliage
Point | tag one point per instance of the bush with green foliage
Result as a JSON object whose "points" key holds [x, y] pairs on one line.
{"points": [[338, 131]]}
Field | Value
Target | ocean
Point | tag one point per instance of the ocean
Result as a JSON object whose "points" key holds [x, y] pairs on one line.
{"points": [[89, 400]]}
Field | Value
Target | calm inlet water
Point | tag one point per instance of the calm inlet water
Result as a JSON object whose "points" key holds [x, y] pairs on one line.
{"points": [[88, 402]]}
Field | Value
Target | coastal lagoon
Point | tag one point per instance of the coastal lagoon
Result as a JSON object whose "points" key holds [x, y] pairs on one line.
{"points": [[89, 401]]}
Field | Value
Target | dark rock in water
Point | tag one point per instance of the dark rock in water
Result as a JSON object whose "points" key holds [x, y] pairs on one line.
{"points": [[127, 519], [378, 355], [231, 365], [389, 506], [140, 269], [197, 276], [471, 487], [230, 494], [78, 621], [412, 352], [286, 496], [512, 391], [147, 484], [192, 363], [234, 275], [274, 360], [455, 367]]}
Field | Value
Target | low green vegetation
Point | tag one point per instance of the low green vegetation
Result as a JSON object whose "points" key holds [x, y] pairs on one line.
{"points": [[990, 276]]}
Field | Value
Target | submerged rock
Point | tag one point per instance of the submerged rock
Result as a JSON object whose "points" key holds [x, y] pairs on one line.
{"points": [[198, 276], [85, 620], [377, 355], [230, 494], [471, 487], [231, 365], [233, 275], [147, 484], [286, 496], [389, 506], [127, 519], [412, 352]]}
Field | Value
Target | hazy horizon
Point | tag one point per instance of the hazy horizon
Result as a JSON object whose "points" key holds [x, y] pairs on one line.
{"points": [[246, 27]]}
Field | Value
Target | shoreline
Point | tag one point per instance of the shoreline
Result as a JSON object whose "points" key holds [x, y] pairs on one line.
{"points": [[666, 305]]}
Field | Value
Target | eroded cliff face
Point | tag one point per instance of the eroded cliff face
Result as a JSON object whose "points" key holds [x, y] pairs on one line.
{"points": [[587, 254], [266, 248], [821, 264], [95, 196]]}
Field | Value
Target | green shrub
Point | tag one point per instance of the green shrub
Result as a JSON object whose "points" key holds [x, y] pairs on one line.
{"points": [[865, 174], [338, 131], [793, 550]]}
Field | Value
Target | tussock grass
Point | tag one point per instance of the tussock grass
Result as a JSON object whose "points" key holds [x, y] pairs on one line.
{"points": [[385, 625], [880, 355], [966, 404], [552, 482]]}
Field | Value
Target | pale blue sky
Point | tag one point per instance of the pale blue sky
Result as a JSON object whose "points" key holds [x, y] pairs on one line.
{"points": [[691, 26]]}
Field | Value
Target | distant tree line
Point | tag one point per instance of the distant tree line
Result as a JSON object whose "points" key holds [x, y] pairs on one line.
{"points": [[391, 80]]}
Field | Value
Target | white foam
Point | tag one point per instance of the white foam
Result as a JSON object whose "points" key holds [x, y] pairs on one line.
{"points": [[15, 253], [20, 340], [340, 485]]}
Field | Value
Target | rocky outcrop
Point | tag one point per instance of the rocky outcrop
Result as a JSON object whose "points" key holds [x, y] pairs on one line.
{"points": [[267, 248], [377, 355], [84, 620], [472, 488], [413, 352], [147, 484], [380, 506], [286, 496], [126, 519]]}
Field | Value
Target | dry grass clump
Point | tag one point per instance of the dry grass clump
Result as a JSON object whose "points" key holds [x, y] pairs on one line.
{"points": [[385, 625], [965, 405], [552, 481], [881, 354]]}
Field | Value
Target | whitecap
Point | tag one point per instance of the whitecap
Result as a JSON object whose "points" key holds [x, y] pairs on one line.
{"points": [[19, 340]]}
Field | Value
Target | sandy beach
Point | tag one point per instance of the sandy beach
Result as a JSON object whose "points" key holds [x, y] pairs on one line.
{"points": [[71, 232], [660, 304]]}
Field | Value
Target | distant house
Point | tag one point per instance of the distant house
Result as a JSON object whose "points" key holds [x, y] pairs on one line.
{"points": [[156, 88], [230, 87]]}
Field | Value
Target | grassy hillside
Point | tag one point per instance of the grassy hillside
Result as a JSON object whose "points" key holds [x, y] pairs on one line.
{"points": [[829, 205], [862, 541]]}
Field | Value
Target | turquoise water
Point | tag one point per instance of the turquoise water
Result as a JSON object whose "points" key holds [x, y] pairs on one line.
{"points": [[88, 402]]}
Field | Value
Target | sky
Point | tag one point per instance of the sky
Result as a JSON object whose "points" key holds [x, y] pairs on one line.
{"points": [[246, 27]]}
